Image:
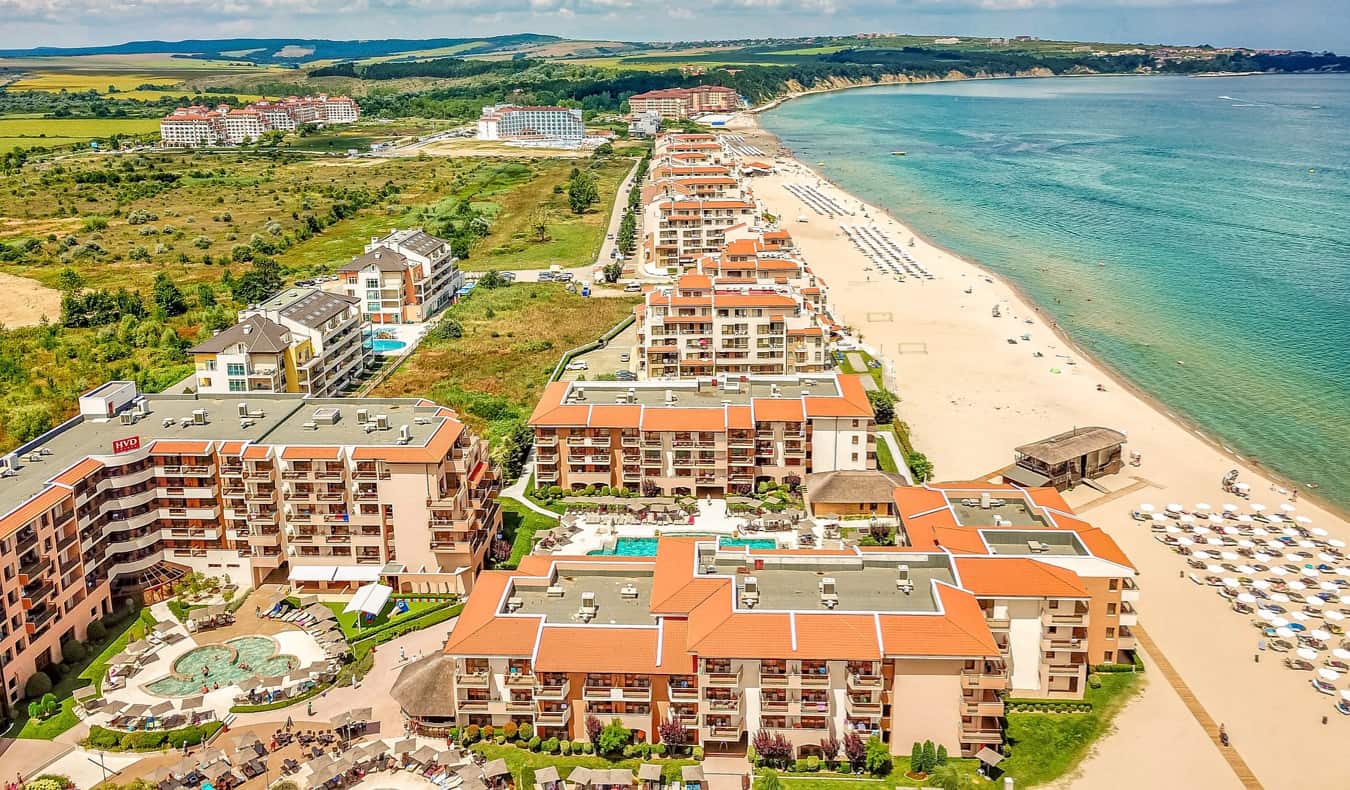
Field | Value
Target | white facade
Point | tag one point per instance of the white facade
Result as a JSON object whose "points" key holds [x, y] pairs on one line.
{"points": [[197, 125], [509, 122]]}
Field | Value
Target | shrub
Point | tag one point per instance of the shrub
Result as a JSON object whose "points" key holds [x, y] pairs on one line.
{"points": [[800, 765], [587, 747], [453, 735], [524, 731], [488, 731], [550, 746], [534, 743], [941, 756], [45, 783], [72, 651], [698, 752], [510, 730], [768, 780], [578, 747], [96, 632], [1094, 681], [878, 760], [37, 685], [501, 740], [813, 764], [565, 747], [659, 749], [471, 733], [614, 737]]}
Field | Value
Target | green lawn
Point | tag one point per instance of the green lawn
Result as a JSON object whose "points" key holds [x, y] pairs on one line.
{"points": [[885, 461], [896, 778], [348, 619], [520, 525], [1047, 746], [92, 672], [523, 763]]}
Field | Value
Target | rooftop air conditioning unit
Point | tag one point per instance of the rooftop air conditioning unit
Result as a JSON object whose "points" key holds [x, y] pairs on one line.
{"points": [[404, 434], [382, 422], [142, 406], [580, 393], [243, 409], [363, 416], [128, 418], [199, 416]]}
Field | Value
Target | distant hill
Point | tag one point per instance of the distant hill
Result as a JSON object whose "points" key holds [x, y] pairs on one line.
{"points": [[272, 51]]}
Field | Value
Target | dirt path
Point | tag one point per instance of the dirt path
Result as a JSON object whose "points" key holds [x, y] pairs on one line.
{"points": [[23, 302]]}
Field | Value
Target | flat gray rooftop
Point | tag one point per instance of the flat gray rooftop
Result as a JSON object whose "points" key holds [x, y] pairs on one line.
{"points": [[1050, 542], [866, 584], [612, 606], [282, 421], [702, 392], [1008, 506]]}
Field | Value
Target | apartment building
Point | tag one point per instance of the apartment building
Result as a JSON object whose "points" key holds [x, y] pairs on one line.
{"points": [[512, 122], [303, 340], [685, 102], [197, 125], [136, 490], [695, 437], [704, 327], [405, 277], [680, 229]]}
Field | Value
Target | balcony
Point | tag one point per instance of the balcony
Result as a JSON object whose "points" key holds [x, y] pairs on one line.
{"points": [[864, 681], [982, 708], [553, 689], [613, 693], [1058, 643], [472, 679], [520, 705], [723, 732], [863, 707], [1129, 592], [721, 677], [978, 680], [1128, 615], [686, 693], [723, 703], [34, 569], [1071, 617], [774, 705], [555, 716], [472, 705], [976, 733]]}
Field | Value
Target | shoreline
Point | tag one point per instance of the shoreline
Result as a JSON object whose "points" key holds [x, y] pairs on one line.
{"points": [[1115, 376]]}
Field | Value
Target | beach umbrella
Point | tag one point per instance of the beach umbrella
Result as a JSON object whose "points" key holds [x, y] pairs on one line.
{"points": [[1328, 586], [1173, 507], [1288, 508], [1306, 544], [1343, 571], [1246, 544], [1245, 519], [1328, 674], [1214, 569], [1229, 555], [1300, 616], [1261, 556], [1341, 653], [1172, 530], [1261, 584], [1319, 532], [1324, 557], [1185, 542], [1230, 508], [1306, 653], [1214, 541], [1278, 622], [1201, 530], [1246, 598], [1257, 507], [1284, 633], [1242, 486], [1231, 531], [1279, 597], [1230, 582], [1159, 517], [1303, 519], [1320, 635], [1309, 571], [1187, 519], [1246, 570], [1336, 542], [1279, 571], [1297, 585], [1202, 507], [1145, 507]]}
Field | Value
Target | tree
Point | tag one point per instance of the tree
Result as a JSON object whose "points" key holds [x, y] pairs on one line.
{"points": [[613, 271], [941, 755], [206, 295], [614, 737], [883, 405], [37, 685], [582, 192], [168, 298], [829, 747], [919, 465], [929, 756], [949, 777], [593, 728], [854, 749], [768, 780], [878, 757], [538, 222], [916, 758], [492, 279], [69, 281], [773, 747], [673, 734]]}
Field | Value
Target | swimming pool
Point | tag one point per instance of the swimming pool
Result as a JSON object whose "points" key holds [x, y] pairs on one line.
{"points": [[646, 547], [381, 345], [224, 664]]}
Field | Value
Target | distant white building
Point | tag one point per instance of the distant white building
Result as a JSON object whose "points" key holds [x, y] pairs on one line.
{"points": [[510, 122], [407, 276], [645, 124]]}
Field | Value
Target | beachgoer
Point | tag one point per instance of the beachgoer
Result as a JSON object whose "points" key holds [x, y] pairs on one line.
{"points": [[402, 654]]}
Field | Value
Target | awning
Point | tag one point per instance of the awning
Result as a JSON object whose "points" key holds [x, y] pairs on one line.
{"points": [[369, 599], [312, 573], [1024, 477], [356, 573], [988, 756]]}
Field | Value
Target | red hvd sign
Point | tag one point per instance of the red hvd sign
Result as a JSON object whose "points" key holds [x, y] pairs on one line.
{"points": [[126, 445]]}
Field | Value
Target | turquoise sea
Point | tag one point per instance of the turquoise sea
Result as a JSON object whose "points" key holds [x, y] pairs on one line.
{"points": [[1158, 219]]}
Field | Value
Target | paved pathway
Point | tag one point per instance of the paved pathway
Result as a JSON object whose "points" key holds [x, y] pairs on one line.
{"points": [[1163, 666], [516, 490]]}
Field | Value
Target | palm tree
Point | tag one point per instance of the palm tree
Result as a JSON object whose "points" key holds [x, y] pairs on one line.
{"points": [[949, 777]]}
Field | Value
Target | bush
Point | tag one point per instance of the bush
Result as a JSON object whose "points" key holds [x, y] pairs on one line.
{"points": [[614, 737], [878, 760], [37, 685], [471, 733], [501, 740], [587, 747], [534, 743], [45, 783], [1107, 669], [73, 651], [813, 764], [800, 765], [565, 747], [96, 632], [1094, 682], [550, 746], [698, 752], [941, 756], [659, 749], [488, 731], [525, 731], [579, 747], [453, 735]]}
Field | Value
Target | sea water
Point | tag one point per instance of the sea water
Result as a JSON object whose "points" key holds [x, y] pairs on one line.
{"points": [[1159, 220]]}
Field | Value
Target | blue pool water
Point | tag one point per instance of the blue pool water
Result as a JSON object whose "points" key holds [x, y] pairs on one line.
{"points": [[381, 345], [646, 547]]}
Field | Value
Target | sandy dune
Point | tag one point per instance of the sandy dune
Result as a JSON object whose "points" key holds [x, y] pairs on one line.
{"points": [[23, 302]]}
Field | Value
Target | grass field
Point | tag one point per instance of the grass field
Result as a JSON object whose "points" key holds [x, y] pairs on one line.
{"points": [[523, 763], [512, 339], [519, 525], [76, 81], [1047, 746], [49, 132], [348, 619]]}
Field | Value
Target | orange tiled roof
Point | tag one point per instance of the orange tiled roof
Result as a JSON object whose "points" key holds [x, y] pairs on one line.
{"points": [[684, 419], [1016, 577], [180, 447], [311, 453], [778, 409], [615, 416], [960, 631], [78, 472]]}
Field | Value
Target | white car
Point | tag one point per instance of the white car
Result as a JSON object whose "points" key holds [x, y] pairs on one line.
{"points": [[579, 364]]}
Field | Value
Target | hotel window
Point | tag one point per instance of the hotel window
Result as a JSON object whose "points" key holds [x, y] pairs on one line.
{"points": [[234, 368], [1110, 632], [1111, 610], [855, 438], [205, 382], [855, 456], [210, 364], [1113, 585], [237, 385]]}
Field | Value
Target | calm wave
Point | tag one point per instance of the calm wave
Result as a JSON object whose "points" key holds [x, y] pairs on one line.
{"points": [[1157, 218]]}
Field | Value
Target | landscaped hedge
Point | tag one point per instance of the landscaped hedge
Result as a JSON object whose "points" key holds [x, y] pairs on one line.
{"points": [[1046, 706], [397, 628], [1135, 667], [149, 740], [313, 691]]}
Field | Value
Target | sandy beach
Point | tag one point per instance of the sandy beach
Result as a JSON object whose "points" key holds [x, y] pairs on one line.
{"points": [[971, 396]]}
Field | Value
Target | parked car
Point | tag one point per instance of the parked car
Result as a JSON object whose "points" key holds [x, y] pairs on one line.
{"points": [[632, 288], [546, 277], [623, 357], [625, 375], [578, 364], [563, 277], [510, 277]]}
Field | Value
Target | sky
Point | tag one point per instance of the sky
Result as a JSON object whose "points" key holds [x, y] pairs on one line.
{"points": [[1288, 24]]}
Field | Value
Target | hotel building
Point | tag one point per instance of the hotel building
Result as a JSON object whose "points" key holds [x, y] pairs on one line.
{"points": [[701, 437], [303, 340], [681, 229], [704, 327], [510, 122], [405, 277], [685, 102], [907, 643], [198, 125], [135, 491]]}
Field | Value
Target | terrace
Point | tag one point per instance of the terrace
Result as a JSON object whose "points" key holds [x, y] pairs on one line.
{"points": [[617, 593], [1053, 543], [704, 391]]}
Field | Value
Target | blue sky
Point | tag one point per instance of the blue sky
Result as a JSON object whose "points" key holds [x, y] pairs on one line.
{"points": [[1293, 24]]}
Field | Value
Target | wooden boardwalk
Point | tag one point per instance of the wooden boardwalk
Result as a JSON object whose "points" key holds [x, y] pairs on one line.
{"points": [[1165, 668]]}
